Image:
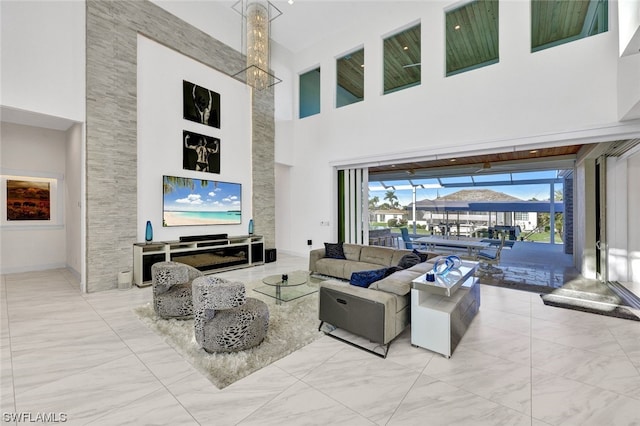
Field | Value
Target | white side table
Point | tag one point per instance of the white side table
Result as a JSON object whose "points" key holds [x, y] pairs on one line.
{"points": [[441, 311]]}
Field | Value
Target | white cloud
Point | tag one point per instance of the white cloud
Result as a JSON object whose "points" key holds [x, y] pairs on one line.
{"points": [[212, 194], [192, 199]]}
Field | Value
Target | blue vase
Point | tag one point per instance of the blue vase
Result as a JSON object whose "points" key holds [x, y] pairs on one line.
{"points": [[250, 226], [148, 234]]}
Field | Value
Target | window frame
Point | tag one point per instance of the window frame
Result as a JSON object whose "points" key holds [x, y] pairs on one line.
{"points": [[412, 61], [316, 102], [353, 52]]}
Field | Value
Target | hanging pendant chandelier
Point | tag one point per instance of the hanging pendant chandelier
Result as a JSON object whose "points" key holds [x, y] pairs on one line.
{"points": [[256, 22]]}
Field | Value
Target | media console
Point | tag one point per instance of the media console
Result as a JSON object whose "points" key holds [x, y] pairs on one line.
{"points": [[207, 255]]}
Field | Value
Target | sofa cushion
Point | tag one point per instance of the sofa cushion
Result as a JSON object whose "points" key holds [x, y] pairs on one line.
{"points": [[332, 267], [334, 251], [409, 260], [352, 251], [424, 267], [397, 283], [377, 255], [366, 278]]}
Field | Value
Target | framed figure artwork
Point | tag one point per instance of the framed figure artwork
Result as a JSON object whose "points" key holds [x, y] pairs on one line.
{"points": [[201, 105], [200, 153]]}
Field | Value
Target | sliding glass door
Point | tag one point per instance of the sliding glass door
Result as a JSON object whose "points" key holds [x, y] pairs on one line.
{"points": [[353, 208]]}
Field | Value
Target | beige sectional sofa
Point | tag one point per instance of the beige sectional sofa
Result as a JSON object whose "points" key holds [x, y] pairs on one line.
{"points": [[379, 312]]}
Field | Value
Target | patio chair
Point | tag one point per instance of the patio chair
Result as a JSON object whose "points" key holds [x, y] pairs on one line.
{"points": [[406, 238], [490, 257]]}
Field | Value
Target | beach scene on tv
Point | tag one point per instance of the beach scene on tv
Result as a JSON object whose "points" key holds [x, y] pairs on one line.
{"points": [[190, 201]]}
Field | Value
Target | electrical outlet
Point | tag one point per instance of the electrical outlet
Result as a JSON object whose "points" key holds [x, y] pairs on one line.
{"points": [[309, 242]]}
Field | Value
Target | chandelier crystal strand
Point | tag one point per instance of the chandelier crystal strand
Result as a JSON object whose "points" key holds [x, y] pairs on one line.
{"points": [[257, 16], [256, 27]]}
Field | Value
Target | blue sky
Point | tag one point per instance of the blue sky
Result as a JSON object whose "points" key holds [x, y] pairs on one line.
{"points": [[216, 196]]}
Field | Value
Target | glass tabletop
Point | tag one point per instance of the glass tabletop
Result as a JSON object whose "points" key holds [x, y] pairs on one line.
{"points": [[296, 285], [292, 279]]}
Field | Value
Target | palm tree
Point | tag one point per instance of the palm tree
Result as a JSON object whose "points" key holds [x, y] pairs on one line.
{"points": [[390, 196], [171, 182], [373, 202]]}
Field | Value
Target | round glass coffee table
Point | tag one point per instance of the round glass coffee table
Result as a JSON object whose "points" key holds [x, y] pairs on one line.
{"points": [[286, 287]]}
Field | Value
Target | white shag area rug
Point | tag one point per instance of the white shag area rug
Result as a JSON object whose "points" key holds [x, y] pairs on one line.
{"points": [[292, 325]]}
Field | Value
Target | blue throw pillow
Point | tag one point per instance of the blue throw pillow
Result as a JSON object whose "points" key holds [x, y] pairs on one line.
{"points": [[334, 251], [366, 278]]}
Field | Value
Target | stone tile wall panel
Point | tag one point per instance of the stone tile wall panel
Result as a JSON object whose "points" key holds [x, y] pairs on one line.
{"points": [[111, 109]]}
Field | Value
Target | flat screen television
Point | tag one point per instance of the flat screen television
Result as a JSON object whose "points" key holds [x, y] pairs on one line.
{"points": [[189, 201]]}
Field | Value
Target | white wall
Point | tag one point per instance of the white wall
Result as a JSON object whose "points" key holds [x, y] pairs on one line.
{"points": [[284, 212], [43, 57], [43, 84], [629, 23], [161, 72], [629, 87], [74, 188], [39, 153], [562, 95]]}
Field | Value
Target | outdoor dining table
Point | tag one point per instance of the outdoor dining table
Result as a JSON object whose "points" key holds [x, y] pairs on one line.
{"points": [[473, 246]]}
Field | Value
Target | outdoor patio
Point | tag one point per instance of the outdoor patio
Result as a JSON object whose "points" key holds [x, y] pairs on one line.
{"points": [[530, 264]]}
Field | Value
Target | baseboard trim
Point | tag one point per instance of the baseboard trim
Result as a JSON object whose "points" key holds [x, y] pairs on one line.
{"points": [[31, 268]]}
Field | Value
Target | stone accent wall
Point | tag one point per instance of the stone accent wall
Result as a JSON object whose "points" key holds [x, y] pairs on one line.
{"points": [[111, 108], [567, 196], [263, 150]]}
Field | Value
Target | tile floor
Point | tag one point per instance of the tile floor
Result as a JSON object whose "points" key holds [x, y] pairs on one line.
{"points": [[88, 358]]}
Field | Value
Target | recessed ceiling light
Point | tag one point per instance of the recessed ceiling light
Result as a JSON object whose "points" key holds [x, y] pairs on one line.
{"points": [[533, 151], [362, 65], [453, 160], [406, 48], [290, 1], [457, 27]]}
